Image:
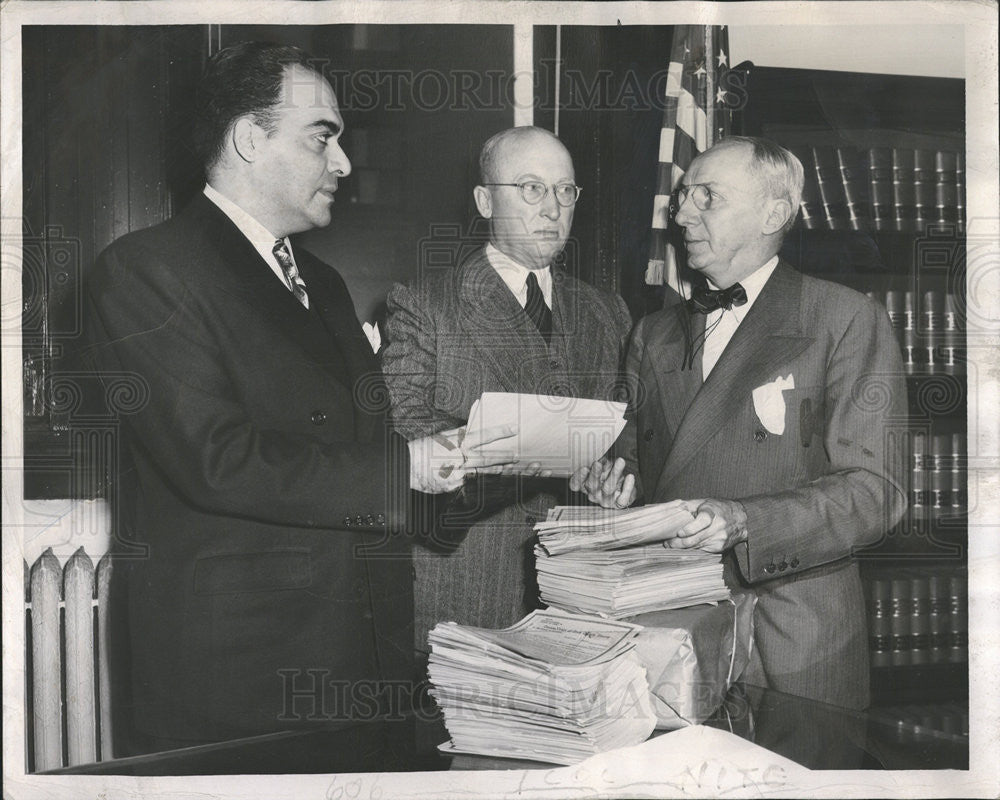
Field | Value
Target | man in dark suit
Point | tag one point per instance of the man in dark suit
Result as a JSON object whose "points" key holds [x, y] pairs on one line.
{"points": [[508, 320], [269, 502], [772, 397]]}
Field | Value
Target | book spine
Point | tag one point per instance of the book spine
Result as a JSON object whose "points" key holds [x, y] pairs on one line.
{"points": [[953, 339], [853, 185], [938, 623], [880, 622], [831, 190], [924, 187], [911, 341], [810, 208], [918, 476], [932, 318], [919, 618], [900, 622], [959, 475], [958, 650], [880, 187], [940, 470], [945, 187], [960, 190], [903, 191]]}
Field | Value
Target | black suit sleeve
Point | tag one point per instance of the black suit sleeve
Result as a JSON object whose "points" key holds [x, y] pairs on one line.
{"points": [[196, 423]]}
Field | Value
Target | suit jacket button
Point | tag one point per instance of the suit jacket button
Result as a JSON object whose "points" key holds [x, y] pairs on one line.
{"points": [[794, 563], [782, 566], [380, 519], [359, 520], [530, 519], [318, 417], [347, 522], [770, 568], [648, 435], [370, 519], [553, 364], [759, 435]]}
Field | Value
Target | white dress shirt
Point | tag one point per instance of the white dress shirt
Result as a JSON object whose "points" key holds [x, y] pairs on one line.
{"points": [[516, 276], [259, 236], [721, 324]]}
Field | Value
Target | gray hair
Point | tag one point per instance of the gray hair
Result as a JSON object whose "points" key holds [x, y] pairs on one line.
{"points": [[778, 170]]}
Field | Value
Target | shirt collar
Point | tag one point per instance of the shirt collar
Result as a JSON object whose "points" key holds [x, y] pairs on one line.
{"points": [[753, 284], [514, 275], [260, 237]]}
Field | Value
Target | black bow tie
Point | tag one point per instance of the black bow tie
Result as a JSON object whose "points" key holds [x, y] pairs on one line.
{"points": [[705, 300]]}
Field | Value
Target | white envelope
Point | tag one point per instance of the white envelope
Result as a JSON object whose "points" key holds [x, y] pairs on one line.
{"points": [[769, 403]]}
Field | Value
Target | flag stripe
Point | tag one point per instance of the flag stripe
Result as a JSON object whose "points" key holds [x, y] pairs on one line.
{"points": [[692, 119]]}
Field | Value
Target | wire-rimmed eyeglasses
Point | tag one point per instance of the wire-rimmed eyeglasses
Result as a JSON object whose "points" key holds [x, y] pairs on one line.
{"points": [[533, 192], [698, 192]]}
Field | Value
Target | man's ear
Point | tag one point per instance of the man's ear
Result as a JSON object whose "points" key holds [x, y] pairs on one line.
{"points": [[778, 213], [484, 201], [244, 135]]}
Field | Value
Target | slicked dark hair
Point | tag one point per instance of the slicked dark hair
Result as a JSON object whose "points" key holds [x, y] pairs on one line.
{"points": [[245, 78]]}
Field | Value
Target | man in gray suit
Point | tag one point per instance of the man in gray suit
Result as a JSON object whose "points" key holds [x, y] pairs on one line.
{"points": [[506, 319], [774, 398]]}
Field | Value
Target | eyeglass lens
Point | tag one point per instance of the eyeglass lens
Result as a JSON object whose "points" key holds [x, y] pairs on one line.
{"points": [[532, 192]]}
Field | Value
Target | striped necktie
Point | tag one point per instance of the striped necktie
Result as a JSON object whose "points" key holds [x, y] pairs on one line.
{"points": [[295, 282]]}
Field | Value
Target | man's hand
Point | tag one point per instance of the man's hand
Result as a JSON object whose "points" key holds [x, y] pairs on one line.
{"points": [[605, 483], [717, 526], [440, 462]]}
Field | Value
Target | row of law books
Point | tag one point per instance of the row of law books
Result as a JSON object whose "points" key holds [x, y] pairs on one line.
{"points": [[882, 188], [938, 475], [618, 563], [929, 329], [918, 615], [911, 723]]}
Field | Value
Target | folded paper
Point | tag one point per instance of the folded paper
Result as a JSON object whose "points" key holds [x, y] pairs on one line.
{"points": [[560, 434]]}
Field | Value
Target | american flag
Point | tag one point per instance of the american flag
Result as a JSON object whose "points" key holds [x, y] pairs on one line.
{"points": [[694, 117]]}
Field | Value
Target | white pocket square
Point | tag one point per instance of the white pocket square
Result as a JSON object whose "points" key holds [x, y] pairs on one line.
{"points": [[374, 336], [770, 405]]}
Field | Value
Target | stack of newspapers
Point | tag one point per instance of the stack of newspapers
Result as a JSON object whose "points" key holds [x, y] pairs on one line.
{"points": [[617, 563], [554, 687]]}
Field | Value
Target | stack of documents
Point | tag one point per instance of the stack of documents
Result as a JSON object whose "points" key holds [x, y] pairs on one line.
{"points": [[615, 563], [554, 687], [558, 434]]}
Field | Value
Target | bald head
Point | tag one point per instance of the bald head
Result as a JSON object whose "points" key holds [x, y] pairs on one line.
{"points": [[505, 146], [530, 227]]}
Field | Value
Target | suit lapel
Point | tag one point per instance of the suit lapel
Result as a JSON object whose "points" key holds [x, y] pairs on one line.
{"points": [[360, 369], [498, 328], [770, 336], [675, 384], [253, 282]]}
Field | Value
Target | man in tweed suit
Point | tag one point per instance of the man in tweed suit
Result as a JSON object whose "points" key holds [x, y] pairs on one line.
{"points": [[504, 320], [778, 406]]}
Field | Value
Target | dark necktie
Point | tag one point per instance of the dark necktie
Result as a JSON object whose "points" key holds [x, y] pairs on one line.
{"points": [[536, 309], [704, 300], [295, 283]]}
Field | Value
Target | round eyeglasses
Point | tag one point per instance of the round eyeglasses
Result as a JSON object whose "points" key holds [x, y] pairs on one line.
{"points": [[533, 192], [698, 192]]}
